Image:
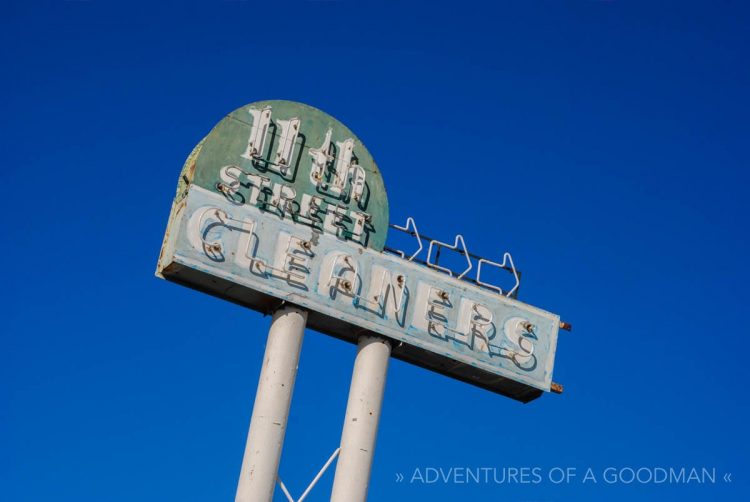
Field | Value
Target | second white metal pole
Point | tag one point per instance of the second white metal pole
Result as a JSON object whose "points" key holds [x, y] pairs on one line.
{"points": [[265, 439], [352, 476]]}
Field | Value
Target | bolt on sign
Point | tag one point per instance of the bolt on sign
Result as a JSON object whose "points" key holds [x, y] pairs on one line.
{"points": [[283, 203]]}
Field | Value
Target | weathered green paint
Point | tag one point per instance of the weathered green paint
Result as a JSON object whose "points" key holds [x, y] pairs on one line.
{"points": [[227, 142], [186, 175]]}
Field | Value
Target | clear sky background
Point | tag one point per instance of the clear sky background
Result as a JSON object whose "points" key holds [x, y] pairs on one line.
{"points": [[603, 143]]}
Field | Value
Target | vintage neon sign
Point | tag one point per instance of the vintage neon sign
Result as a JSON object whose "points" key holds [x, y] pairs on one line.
{"points": [[282, 203]]}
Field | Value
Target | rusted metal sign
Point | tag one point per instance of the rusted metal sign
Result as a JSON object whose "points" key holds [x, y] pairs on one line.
{"points": [[300, 215]]}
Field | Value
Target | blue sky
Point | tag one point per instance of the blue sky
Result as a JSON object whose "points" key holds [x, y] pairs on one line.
{"points": [[607, 150]]}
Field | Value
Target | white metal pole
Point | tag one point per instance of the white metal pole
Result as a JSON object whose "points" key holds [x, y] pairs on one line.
{"points": [[352, 476], [265, 439]]}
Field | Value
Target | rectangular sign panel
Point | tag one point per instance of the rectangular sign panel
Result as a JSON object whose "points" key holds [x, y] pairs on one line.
{"points": [[258, 259]]}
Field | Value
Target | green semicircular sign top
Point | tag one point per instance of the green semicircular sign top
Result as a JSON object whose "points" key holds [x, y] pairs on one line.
{"points": [[296, 162]]}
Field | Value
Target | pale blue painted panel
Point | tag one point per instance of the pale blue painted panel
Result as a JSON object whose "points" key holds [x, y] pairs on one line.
{"points": [[474, 326]]}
